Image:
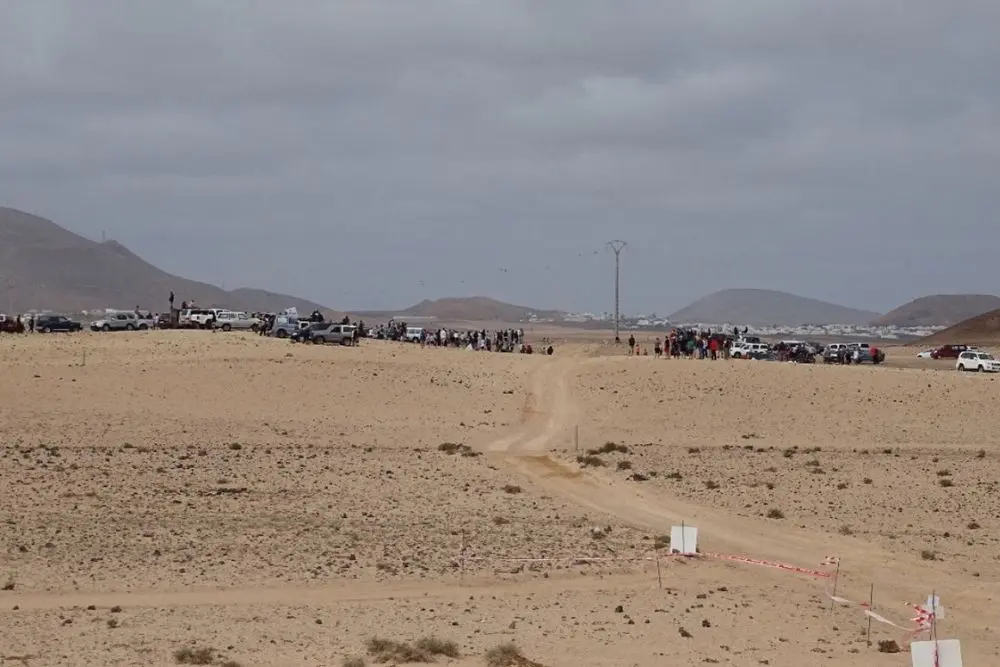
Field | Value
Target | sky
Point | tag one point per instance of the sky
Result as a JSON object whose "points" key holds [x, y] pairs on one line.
{"points": [[373, 153]]}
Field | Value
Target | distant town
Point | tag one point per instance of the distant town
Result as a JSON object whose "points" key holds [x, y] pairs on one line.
{"points": [[654, 322]]}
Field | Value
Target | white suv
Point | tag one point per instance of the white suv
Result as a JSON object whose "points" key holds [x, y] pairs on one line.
{"points": [[980, 362], [742, 349], [227, 320]]}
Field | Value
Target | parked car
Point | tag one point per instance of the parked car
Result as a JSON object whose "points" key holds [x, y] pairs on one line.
{"points": [[949, 351], [745, 350], [977, 361], [56, 323], [846, 355], [303, 334], [334, 333], [926, 354], [228, 320], [121, 321], [413, 334]]}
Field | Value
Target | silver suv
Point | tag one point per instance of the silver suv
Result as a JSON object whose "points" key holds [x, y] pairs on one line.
{"points": [[334, 333], [123, 321]]}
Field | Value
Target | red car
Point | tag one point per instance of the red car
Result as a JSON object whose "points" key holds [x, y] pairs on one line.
{"points": [[949, 351]]}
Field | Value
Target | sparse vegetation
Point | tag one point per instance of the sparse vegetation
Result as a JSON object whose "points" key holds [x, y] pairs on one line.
{"points": [[434, 647], [946, 482], [507, 655], [424, 650], [867, 480], [453, 448], [846, 530], [624, 465], [511, 488], [608, 448], [711, 484], [928, 554], [674, 475], [590, 461], [353, 661], [973, 526], [775, 513], [194, 655]]}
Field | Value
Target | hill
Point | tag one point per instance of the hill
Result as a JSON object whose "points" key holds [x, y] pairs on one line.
{"points": [[939, 310], [759, 307], [470, 309], [43, 266], [979, 330]]}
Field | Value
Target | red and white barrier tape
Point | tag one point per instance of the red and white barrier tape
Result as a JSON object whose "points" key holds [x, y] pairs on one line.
{"points": [[822, 574]]}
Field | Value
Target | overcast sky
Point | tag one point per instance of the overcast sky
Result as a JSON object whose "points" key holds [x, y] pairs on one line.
{"points": [[372, 153]]}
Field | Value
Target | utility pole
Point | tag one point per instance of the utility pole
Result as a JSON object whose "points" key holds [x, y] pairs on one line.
{"points": [[617, 246], [11, 283]]}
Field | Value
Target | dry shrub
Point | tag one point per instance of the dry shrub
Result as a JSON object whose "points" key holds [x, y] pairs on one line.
{"points": [[194, 655], [888, 646], [508, 655], [775, 513], [355, 661], [590, 461], [608, 448], [423, 651], [434, 646]]}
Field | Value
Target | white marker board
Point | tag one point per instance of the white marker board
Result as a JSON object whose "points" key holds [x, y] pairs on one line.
{"points": [[949, 653], [684, 540]]}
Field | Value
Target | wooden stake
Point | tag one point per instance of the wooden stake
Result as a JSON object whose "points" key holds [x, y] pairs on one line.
{"points": [[836, 577], [659, 576], [576, 438], [461, 558], [871, 607]]}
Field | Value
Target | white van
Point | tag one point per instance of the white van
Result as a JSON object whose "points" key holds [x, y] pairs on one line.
{"points": [[414, 334]]}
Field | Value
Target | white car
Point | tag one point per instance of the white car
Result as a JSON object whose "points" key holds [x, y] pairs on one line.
{"points": [[980, 362], [742, 349], [413, 334], [926, 354], [228, 320]]}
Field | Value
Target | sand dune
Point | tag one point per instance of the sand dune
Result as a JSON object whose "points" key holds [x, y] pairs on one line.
{"points": [[283, 504]]}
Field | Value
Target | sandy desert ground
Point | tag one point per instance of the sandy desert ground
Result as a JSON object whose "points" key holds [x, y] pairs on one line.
{"points": [[285, 504]]}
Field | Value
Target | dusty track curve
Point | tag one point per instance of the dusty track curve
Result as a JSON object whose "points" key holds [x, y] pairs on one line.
{"points": [[901, 577]]}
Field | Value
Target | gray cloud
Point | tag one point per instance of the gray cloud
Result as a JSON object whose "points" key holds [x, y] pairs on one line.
{"points": [[843, 150]]}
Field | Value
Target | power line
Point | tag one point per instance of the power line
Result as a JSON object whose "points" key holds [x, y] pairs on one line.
{"points": [[616, 246]]}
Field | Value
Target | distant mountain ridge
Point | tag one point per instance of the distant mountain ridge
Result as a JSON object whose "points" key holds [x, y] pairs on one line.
{"points": [[761, 307], [43, 266], [939, 310], [470, 309], [979, 330]]}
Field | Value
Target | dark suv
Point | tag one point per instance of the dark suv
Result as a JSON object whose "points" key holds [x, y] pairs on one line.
{"points": [[949, 351], [56, 323]]}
